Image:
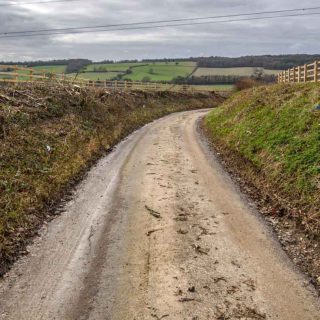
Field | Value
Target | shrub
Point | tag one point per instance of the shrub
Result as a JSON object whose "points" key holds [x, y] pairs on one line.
{"points": [[146, 79], [247, 83]]}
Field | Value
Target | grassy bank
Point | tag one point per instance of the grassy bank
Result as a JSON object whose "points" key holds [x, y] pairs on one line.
{"points": [[50, 135], [272, 136]]}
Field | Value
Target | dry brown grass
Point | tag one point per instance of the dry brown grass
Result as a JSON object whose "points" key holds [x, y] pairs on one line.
{"points": [[247, 83], [49, 136]]}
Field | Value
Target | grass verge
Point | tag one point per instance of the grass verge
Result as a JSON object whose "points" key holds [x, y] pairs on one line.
{"points": [[269, 139], [275, 130], [49, 137]]}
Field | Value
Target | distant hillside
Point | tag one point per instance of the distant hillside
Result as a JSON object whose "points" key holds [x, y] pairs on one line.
{"points": [[277, 62], [212, 71], [70, 65]]}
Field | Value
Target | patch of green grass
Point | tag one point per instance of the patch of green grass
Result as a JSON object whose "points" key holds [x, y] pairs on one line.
{"points": [[155, 71], [95, 75], [277, 129], [121, 67], [160, 72], [175, 63], [52, 69]]}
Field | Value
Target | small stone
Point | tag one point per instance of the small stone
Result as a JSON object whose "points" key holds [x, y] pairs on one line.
{"points": [[192, 289], [182, 231]]}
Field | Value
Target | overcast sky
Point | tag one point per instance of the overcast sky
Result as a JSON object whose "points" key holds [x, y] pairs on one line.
{"points": [[277, 36]]}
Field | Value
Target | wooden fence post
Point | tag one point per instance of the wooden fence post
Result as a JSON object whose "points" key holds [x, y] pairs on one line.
{"points": [[293, 74], [315, 71], [305, 78], [299, 74], [16, 76], [31, 75]]}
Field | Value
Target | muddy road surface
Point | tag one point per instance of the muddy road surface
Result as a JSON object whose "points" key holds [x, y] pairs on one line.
{"points": [[157, 230]]}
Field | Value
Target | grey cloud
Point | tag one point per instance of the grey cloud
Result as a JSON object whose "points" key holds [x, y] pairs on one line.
{"points": [[287, 35]]}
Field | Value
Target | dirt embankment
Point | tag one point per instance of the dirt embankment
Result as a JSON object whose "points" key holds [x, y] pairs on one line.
{"points": [[50, 135], [269, 140]]}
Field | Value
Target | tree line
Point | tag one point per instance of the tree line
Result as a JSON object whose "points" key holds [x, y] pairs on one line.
{"points": [[72, 65], [218, 79], [277, 62]]}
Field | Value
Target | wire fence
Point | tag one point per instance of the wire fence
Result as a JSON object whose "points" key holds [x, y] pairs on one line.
{"points": [[306, 73]]}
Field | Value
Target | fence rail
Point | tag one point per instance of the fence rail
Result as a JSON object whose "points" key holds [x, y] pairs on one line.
{"points": [[16, 74], [306, 73]]}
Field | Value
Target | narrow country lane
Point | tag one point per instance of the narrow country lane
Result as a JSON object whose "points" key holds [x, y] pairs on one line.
{"points": [[157, 230]]}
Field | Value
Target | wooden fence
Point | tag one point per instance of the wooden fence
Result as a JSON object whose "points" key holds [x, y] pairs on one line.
{"points": [[16, 74], [13, 73], [307, 73]]}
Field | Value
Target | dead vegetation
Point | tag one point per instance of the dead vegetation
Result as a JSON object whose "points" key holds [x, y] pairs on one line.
{"points": [[154, 213], [50, 135]]}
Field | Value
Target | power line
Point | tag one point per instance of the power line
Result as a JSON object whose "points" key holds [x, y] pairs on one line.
{"points": [[160, 26], [158, 21], [34, 2]]}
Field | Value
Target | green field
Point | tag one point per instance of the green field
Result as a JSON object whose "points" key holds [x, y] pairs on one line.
{"points": [[156, 71], [162, 71], [150, 71], [159, 72], [126, 66], [244, 71], [179, 63], [53, 69], [121, 67], [95, 76]]}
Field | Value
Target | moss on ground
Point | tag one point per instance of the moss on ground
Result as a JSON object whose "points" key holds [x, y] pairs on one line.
{"points": [[49, 136], [276, 130]]}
